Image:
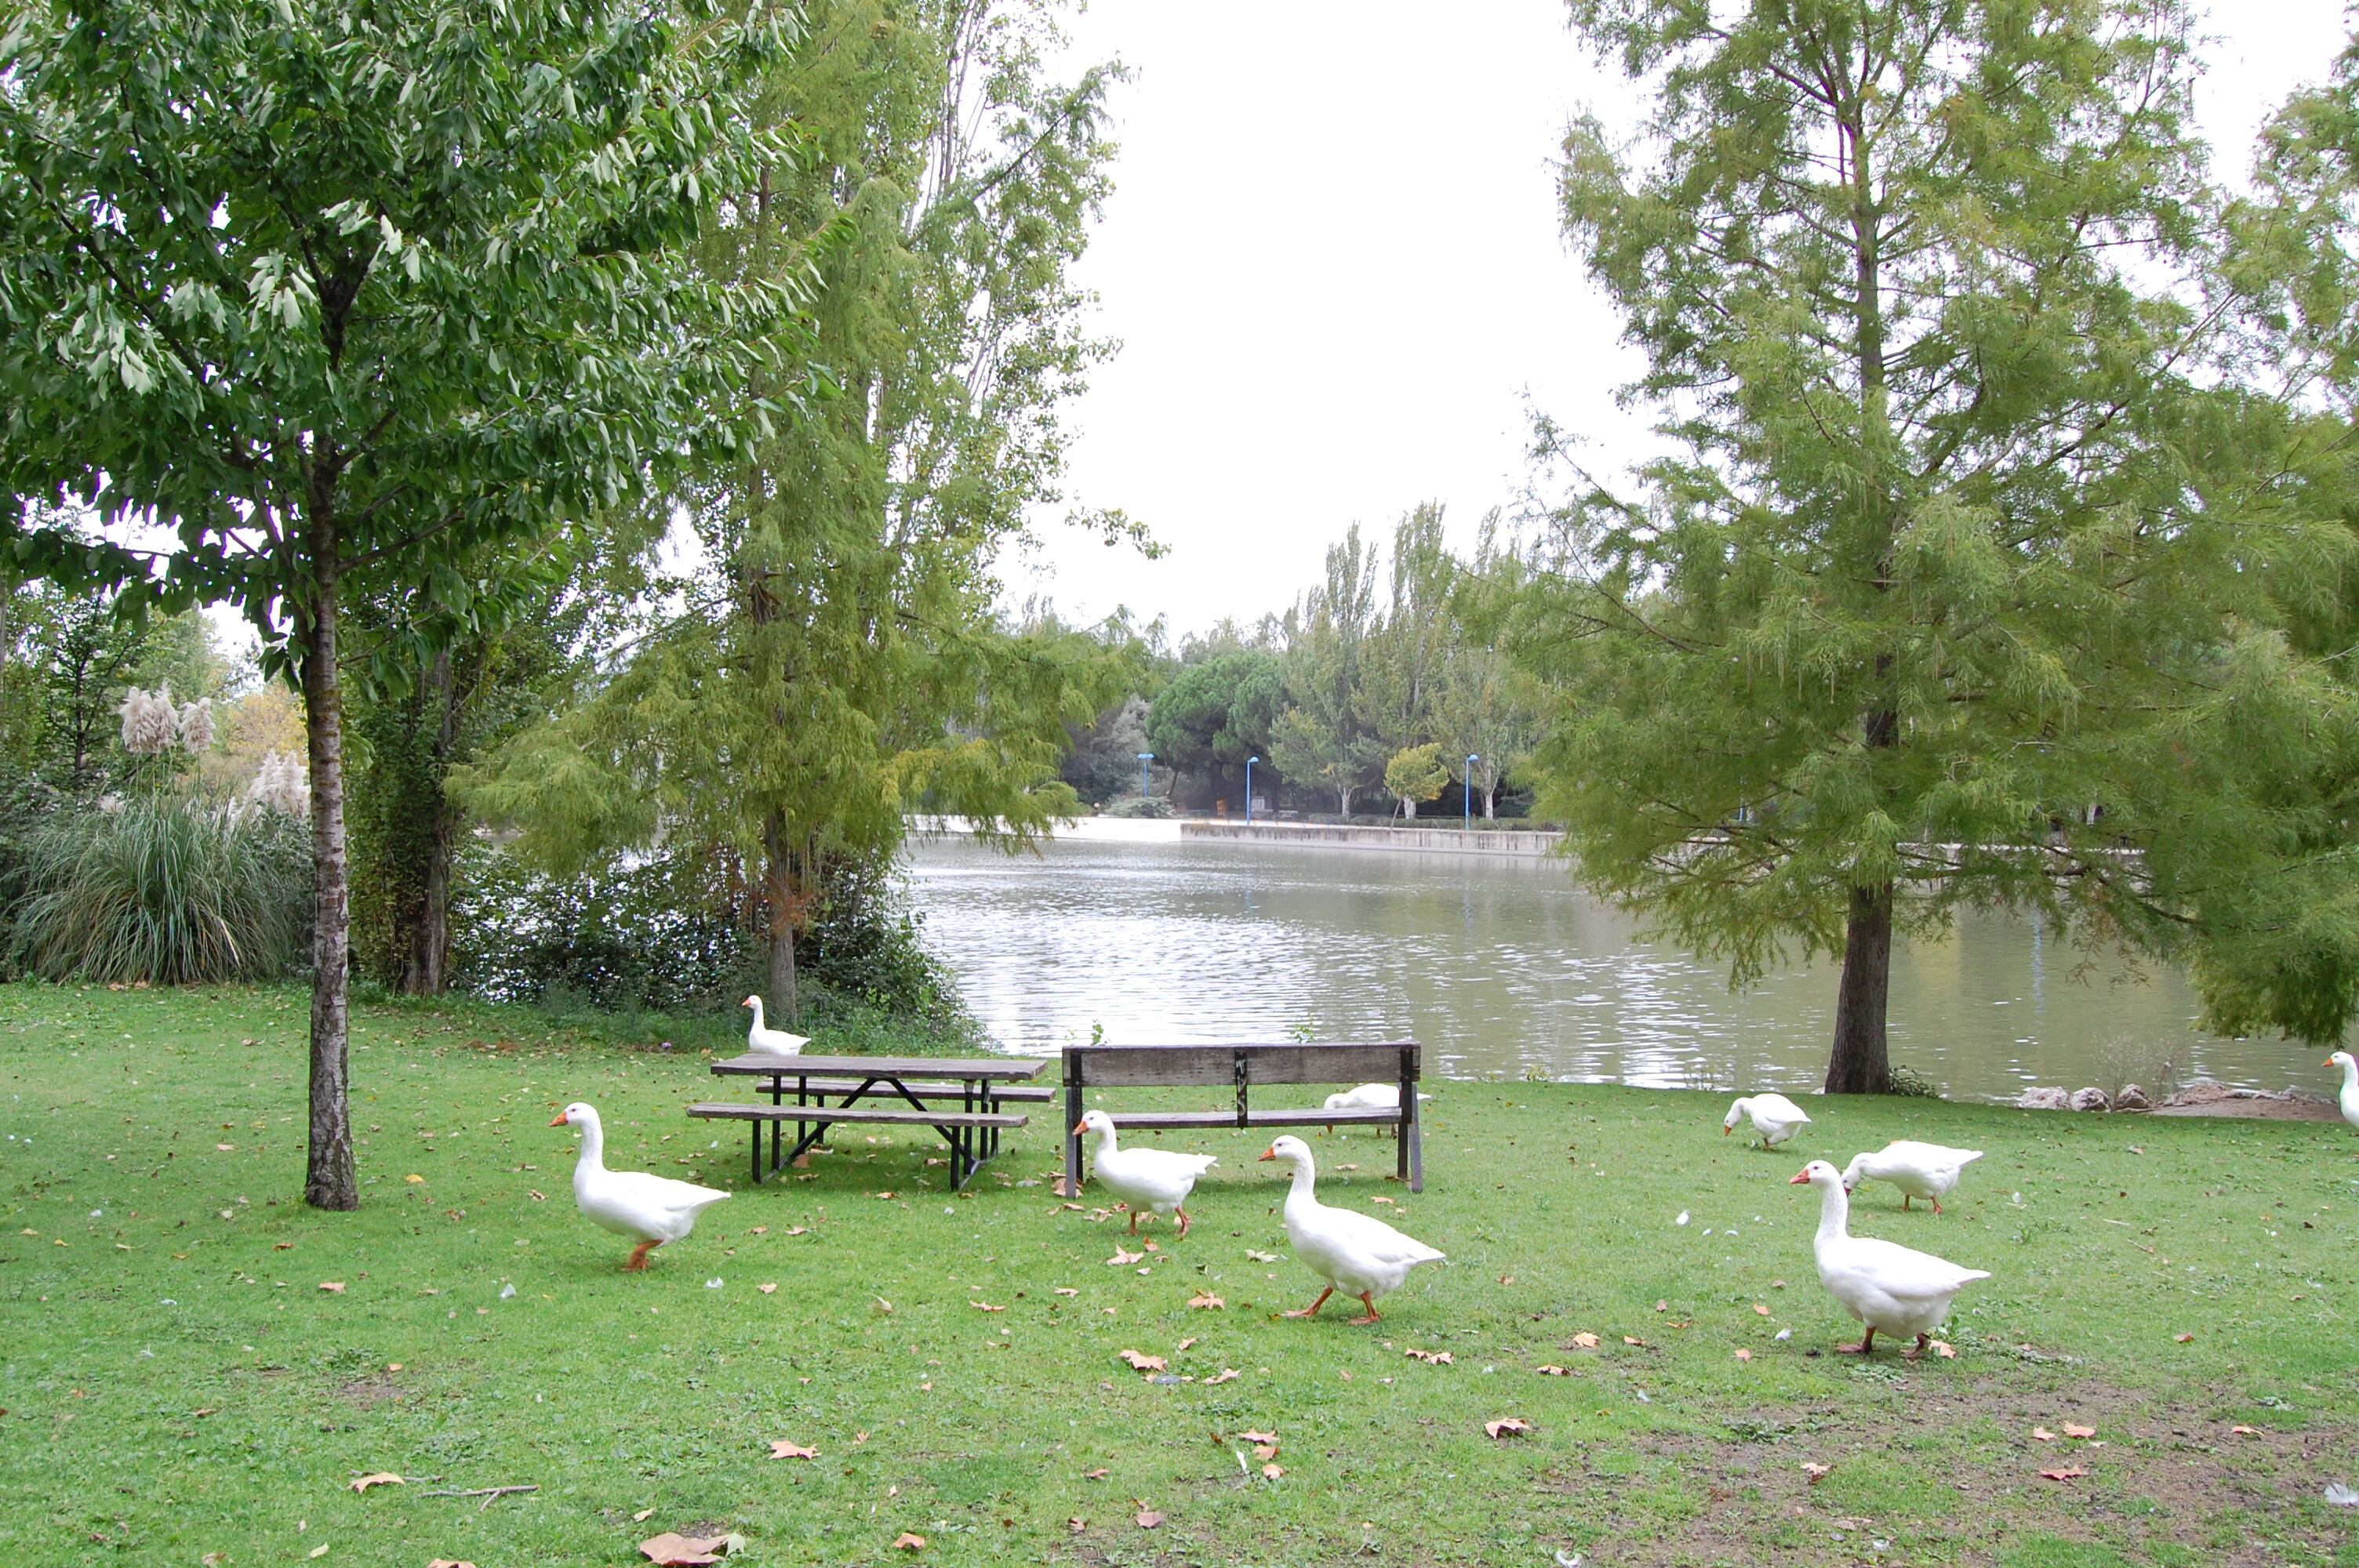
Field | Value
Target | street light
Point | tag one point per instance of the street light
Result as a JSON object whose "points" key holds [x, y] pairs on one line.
{"points": [[1466, 789], [1144, 758], [1249, 763]]}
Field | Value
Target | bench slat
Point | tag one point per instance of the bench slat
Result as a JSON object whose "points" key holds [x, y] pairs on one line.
{"points": [[812, 1113], [1017, 1094], [1148, 1067], [1255, 1117]]}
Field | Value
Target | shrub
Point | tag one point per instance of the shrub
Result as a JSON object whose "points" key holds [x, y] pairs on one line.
{"points": [[1909, 1081], [1139, 805], [166, 890]]}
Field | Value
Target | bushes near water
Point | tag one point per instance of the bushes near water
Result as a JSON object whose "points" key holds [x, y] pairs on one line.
{"points": [[165, 889]]}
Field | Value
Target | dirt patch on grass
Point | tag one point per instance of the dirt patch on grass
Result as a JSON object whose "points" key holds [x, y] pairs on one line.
{"points": [[1957, 1473], [377, 1388], [2207, 1098]]}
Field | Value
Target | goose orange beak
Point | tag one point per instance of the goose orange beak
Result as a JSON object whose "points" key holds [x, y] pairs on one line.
{"points": [[1268, 1154], [1798, 1178], [559, 1120], [1079, 1127], [2328, 1062], [1726, 1130]]}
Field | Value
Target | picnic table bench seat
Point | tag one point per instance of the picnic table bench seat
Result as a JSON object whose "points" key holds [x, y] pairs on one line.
{"points": [[1240, 1068], [960, 1098]]}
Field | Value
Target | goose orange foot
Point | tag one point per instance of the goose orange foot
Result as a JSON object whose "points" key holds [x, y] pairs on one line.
{"points": [[639, 1257], [1368, 1299], [1865, 1345], [1312, 1310]]}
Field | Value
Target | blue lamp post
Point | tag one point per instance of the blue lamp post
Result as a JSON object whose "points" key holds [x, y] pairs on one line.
{"points": [[1249, 763], [1466, 789], [1144, 758]]}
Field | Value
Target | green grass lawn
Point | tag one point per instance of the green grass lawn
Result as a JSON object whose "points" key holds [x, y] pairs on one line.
{"points": [[179, 1388]]}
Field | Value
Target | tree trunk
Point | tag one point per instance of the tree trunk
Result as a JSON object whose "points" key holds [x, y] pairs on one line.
{"points": [[779, 895], [1343, 792], [1491, 803], [1858, 1064], [329, 1179], [426, 966]]}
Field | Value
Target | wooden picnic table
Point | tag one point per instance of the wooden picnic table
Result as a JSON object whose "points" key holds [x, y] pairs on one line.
{"points": [[894, 1091]]}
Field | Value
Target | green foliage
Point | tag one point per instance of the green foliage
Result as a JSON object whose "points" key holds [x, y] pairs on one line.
{"points": [[839, 662], [1216, 713], [164, 891], [1416, 774], [1157, 807], [1961, 532], [1910, 1084], [1326, 735]]}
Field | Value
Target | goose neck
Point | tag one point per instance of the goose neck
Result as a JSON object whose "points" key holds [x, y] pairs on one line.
{"points": [[1305, 1181], [1834, 1214], [594, 1146]]}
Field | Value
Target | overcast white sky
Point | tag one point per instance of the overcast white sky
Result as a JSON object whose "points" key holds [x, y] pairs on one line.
{"points": [[1332, 259]]}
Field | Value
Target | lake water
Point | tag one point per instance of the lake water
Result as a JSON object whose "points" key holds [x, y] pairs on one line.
{"points": [[1500, 966]]}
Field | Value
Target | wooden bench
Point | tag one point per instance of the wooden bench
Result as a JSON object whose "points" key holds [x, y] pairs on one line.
{"points": [[1242, 1067], [1009, 1094]]}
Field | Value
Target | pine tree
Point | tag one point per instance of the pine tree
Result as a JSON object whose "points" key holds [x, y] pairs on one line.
{"points": [[1951, 569]]}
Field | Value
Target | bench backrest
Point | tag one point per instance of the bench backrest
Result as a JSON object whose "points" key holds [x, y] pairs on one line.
{"points": [[1314, 1061]]}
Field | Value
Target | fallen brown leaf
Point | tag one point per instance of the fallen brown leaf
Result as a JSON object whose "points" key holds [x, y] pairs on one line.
{"points": [[643, 1516], [1586, 1339], [2245, 1431], [1507, 1426], [1121, 1258], [908, 1541], [1432, 1357], [1226, 1375], [377, 1478], [1077, 1524], [1628, 1339], [1067, 1290], [1148, 1518], [1743, 1355], [1271, 1471], [1945, 1350], [1382, 1199], [1140, 1361], [2042, 1434], [334, 1287], [2183, 1338], [1182, 1348], [1269, 1437], [673, 1550], [1098, 1474], [537, 1195], [985, 1306], [2072, 1430], [1759, 1310], [782, 1449], [437, 1563], [770, 1288], [1815, 1471], [1554, 1371], [1662, 1306], [2070, 1471], [1206, 1301], [282, 1247]]}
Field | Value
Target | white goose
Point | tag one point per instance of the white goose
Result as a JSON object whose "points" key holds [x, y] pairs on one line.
{"points": [[1775, 1118], [769, 1042], [1357, 1254], [655, 1209], [2350, 1096], [1886, 1286], [1158, 1179], [1920, 1170]]}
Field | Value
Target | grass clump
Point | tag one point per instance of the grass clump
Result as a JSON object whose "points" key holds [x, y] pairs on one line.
{"points": [[178, 1383], [164, 889]]}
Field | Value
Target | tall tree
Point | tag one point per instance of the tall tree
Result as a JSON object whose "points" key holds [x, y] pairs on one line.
{"points": [[1402, 681], [1485, 707], [1941, 555], [342, 295], [1216, 713], [1325, 734], [838, 662]]}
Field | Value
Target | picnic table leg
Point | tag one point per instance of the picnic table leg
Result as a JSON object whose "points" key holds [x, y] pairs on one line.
{"points": [[757, 1153], [1411, 1155], [1072, 1141]]}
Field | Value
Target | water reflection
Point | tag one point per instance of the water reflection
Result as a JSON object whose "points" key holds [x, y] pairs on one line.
{"points": [[1499, 967]]}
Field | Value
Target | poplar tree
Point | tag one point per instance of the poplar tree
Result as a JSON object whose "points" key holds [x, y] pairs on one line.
{"points": [[1327, 735], [835, 661], [342, 296], [1951, 587]]}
